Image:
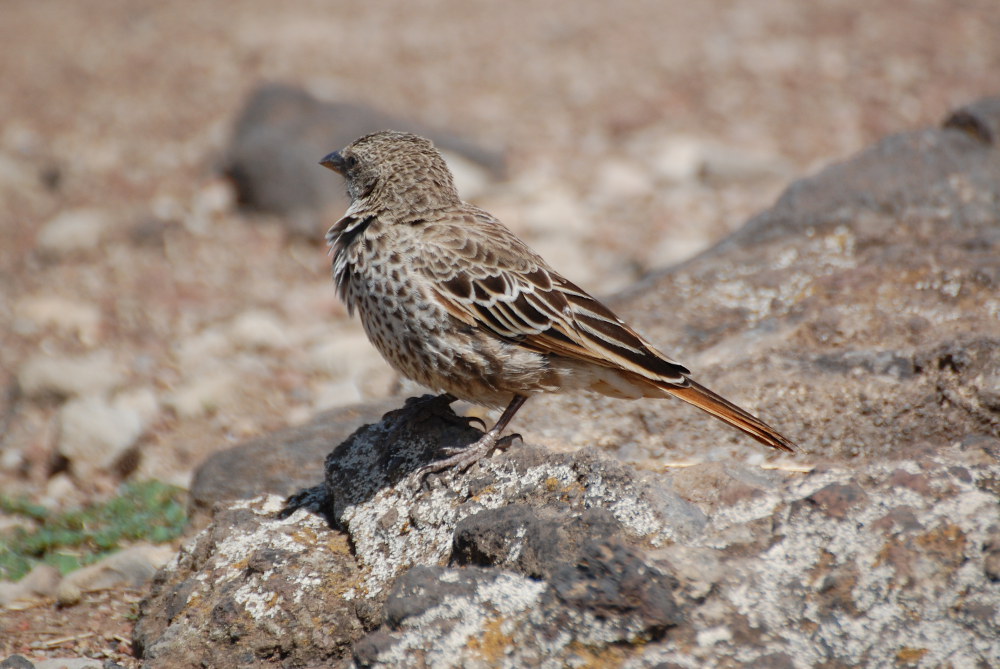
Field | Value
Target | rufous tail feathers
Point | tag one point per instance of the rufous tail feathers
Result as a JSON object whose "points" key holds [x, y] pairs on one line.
{"points": [[723, 409]]}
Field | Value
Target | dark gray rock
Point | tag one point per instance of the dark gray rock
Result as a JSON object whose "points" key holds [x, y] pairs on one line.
{"points": [[612, 587], [981, 120], [532, 541], [238, 590], [282, 133], [610, 596], [252, 589], [279, 463], [16, 662]]}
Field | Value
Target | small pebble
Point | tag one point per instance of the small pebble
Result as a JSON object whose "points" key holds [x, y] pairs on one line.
{"points": [[39, 313], [69, 376], [204, 394], [93, 433], [40, 582], [72, 232], [131, 567]]}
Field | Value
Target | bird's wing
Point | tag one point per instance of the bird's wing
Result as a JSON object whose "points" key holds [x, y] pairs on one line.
{"points": [[485, 276]]}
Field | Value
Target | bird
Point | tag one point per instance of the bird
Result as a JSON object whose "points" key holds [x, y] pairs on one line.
{"points": [[455, 301]]}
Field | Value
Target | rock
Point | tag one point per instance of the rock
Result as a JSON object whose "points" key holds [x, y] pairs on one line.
{"points": [[280, 463], [35, 314], [252, 587], [39, 583], [333, 395], [385, 521], [259, 330], [16, 662], [70, 663], [455, 604], [346, 355], [204, 394], [981, 120], [131, 567], [142, 401], [76, 231], [61, 491], [684, 159], [94, 433], [435, 616], [531, 541], [531, 556], [68, 376], [872, 287], [860, 315], [214, 199], [283, 131], [362, 472]]}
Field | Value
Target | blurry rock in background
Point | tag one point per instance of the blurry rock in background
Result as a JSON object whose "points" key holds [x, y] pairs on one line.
{"points": [[282, 133]]}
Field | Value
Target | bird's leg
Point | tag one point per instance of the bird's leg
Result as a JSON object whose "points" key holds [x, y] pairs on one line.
{"points": [[478, 450]]}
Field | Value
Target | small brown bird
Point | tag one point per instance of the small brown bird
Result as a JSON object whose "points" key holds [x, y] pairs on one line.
{"points": [[455, 301]]}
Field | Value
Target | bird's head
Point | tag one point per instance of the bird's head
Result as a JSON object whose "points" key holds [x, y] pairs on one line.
{"points": [[394, 169]]}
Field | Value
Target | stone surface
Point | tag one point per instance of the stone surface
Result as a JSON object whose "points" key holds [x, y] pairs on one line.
{"points": [[860, 315], [94, 433], [539, 559], [252, 588], [284, 131], [39, 583], [594, 515], [131, 567], [67, 376], [280, 463], [74, 232]]}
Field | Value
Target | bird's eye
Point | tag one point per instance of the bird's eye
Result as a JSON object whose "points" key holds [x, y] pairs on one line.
{"points": [[351, 162]]}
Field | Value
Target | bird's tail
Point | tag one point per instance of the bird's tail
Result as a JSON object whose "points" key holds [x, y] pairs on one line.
{"points": [[706, 400]]}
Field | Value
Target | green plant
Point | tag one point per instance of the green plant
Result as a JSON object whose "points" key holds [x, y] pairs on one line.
{"points": [[147, 511]]}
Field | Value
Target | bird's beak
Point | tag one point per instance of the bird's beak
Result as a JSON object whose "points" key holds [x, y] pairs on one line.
{"points": [[335, 162]]}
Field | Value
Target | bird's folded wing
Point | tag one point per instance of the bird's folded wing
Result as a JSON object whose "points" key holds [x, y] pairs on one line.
{"points": [[508, 290]]}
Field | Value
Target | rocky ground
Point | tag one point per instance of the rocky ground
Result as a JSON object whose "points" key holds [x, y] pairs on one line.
{"points": [[878, 546], [151, 321]]}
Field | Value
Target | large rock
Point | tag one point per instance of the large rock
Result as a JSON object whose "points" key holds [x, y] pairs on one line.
{"points": [[280, 463], [252, 589], [282, 133], [861, 315], [535, 559], [582, 521]]}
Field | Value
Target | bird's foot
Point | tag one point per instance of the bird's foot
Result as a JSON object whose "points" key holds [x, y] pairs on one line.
{"points": [[461, 459]]}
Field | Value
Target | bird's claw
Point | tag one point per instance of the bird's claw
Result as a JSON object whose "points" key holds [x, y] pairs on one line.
{"points": [[461, 458], [474, 419]]}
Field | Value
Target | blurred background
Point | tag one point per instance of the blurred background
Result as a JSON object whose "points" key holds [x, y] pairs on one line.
{"points": [[164, 288]]}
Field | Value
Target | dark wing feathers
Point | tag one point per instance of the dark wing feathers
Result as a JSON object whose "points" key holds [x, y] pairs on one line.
{"points": [[510, 291]]}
